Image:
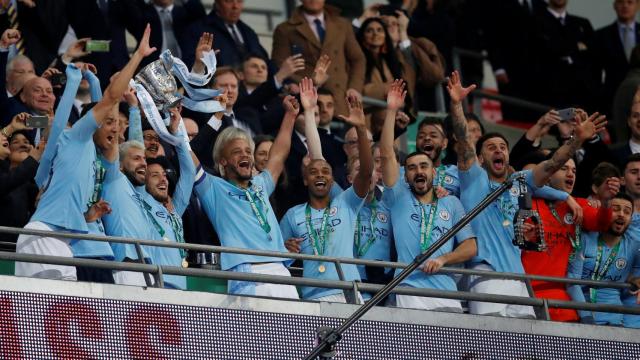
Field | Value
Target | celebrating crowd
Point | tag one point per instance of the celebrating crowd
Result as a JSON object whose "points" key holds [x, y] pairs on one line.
{"points": [[280, 153]]}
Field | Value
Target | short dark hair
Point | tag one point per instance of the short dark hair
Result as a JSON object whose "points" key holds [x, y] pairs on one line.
{"points": [[631, 159], [160, 160], [624, 196], [602, 172], [221, 71], [433, 121], [486, 137], [325, 91], [259, 139], [416, 153], [123, 108], [252, 55]]}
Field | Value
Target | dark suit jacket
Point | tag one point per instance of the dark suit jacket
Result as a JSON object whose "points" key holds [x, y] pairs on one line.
{"points": [[612, 59], [230, 54], [88, 21], [42, 27], [183, 16], [17, 194], [620, 153], [202, 144], [559, 83]]}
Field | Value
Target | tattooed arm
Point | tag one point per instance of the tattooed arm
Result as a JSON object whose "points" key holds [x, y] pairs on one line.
{"points": [[585, 129], [466, 152]]}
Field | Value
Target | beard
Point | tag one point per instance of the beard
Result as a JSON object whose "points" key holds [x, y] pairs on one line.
{"points": [[131, 176]]}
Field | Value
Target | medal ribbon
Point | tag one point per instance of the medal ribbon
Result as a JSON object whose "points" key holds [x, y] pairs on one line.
{"points": [[426, 227], [440, 175], [262, 218], [319, 239], [97, 183], [361, 250], [147, 209], [502, 205], [575, 243], [598, 273], [176, 225]]}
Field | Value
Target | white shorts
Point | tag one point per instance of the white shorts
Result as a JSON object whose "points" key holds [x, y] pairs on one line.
{"points": [[237, 287], [482, 285], [134, 278], [427, 303], [336, 298], [38, 245]]}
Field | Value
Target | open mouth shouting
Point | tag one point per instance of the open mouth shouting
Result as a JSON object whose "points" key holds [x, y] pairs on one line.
{"points": [[499, 163], [153, 148], [320, 184], [141, 171]]}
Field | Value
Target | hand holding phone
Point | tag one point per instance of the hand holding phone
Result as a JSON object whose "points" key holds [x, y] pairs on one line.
{"points": [[567, 114], [36, 122]]}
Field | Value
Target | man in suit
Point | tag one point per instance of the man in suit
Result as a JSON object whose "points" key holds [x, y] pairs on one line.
{"points": [[614, 45], [233, 37], [508, 33], [624, 97], [170, 24], [623, 149], [313, 30], [563, 49]]}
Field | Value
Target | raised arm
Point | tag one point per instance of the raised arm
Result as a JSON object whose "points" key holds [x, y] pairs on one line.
{"points": [[120, 83], [282, 144], [585, 129], [309, 99], [466, 152], [135, 119], [362, 181], [390, 166], [89, 73], [187, 168]]}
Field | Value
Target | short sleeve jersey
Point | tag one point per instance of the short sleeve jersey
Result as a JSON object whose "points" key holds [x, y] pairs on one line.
{"points": [[373, 238], [235, 220], [406, 220], [340, 226]]}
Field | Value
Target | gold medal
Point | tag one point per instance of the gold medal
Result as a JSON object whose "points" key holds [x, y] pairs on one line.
{"points": [[322, 269], [185, 264], [506, 223]]}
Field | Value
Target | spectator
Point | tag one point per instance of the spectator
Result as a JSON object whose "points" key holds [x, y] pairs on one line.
{"points": [[475, 128], [106, 20], [245, 118], [384, 62], [261, 155], [414, 237], [563, 49], [350, 146], [36, 98], [431, 20], [614, 51], [624, 99], [615, 246], [191, 127], [603, 178], [512, 63], [42, 24], [313, 30], [234, 38], [170, 26], [19, 71], [621, 151]]}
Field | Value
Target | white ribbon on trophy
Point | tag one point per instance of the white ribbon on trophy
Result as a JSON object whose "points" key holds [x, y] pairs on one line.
{"points": [[197, 99]]}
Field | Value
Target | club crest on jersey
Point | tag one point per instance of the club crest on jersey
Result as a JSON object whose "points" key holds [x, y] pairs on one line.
{"points": [[382, 217], [514, 191], [257, 188], [448, 180], [444, 215], [621, 263], [568, 219], [333, 211]]}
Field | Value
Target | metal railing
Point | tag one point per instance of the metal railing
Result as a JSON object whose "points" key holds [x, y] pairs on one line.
{"points": [[542, 305]]}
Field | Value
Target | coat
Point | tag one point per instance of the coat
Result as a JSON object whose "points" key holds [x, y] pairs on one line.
{"points": [[347, 60]]}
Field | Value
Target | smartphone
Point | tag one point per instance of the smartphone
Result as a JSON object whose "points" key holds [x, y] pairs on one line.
{"points": [[37, 122], [567, 114], [388, 10], [58, 79], [296, 49], [98, 45]]}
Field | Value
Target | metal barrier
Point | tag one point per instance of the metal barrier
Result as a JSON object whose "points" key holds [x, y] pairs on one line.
{"points": [[158, 270]]}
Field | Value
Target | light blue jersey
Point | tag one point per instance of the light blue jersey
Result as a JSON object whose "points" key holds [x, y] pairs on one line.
{"points": [[447, 177], [171, 222], [613, 268], [71, 183], [128, 217], [406, 220], [341, 220], [628, 299], [234, 219], [373, 240], [494, 225]]}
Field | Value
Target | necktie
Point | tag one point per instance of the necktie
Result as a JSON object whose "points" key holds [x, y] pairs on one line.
{"points": [[237, 40], [319, 29], [168, 37], [561, 19], [12, 12], [628, 40]]}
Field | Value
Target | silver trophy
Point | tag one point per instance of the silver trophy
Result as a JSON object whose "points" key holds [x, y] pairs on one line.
{"points": [[160, 83], [527, 214]]}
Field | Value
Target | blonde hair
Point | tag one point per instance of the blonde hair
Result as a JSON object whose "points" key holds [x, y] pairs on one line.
{"points": [[131, 144], [226, 136]]}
